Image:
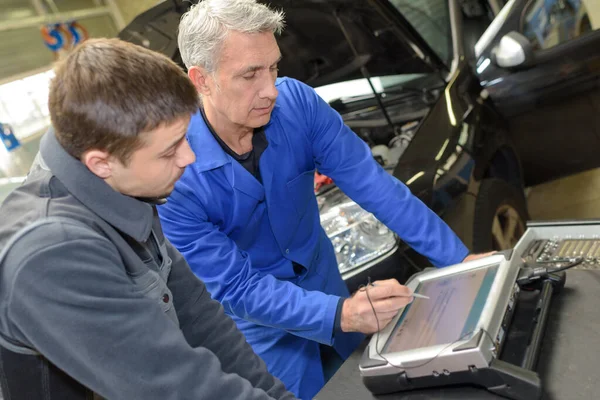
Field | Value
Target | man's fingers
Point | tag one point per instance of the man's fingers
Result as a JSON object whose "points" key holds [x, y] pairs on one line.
{"points": [[389, 289], [472, 257], [361, 315], [386, 315], [391, 304], [386, 282]]}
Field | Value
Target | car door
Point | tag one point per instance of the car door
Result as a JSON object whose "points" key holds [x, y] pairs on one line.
{"points": [[540, 62]]}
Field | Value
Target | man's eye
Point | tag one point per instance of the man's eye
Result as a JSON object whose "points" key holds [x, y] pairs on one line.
{"points": [[274, 69], [249, 77], [169, 154]]}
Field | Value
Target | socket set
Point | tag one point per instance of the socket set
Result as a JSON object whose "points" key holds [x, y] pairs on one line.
{"points": [[560, 250]]}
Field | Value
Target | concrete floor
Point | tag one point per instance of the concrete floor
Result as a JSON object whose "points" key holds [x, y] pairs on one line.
{"points": [[573, 197]]}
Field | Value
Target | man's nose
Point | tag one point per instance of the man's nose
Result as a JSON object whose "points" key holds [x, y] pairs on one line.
{"points": [[269, 91], [186, 155]]}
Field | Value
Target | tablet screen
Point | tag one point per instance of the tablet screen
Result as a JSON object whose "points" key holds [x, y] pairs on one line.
{"points": [[450, 314]]}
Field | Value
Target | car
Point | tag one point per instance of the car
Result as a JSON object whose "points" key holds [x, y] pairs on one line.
{"points": [[453, 100]]}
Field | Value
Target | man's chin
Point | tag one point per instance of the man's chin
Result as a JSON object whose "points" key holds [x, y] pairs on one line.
{"points": [[260, 121], [166, 194], [157, 198]]}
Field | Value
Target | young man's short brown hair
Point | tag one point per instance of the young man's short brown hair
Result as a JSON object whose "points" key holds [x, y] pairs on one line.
{"points": [[107, 91]]}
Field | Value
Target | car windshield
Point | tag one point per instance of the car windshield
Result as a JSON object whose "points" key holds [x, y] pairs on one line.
{"points": [[431, 19]]}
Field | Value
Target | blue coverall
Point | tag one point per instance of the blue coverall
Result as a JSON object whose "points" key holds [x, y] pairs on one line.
{"points": [[240, 236]]}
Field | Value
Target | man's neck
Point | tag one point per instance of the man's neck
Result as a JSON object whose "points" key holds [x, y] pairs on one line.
{"points": [[238, 138]]}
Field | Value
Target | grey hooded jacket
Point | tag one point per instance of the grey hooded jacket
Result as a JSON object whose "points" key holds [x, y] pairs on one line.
{"points": [[88, 281]]}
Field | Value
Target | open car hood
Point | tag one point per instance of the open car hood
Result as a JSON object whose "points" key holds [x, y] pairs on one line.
{"points": [[324, 41]]}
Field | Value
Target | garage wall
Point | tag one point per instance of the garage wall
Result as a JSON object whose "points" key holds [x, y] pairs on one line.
{"points": [[25, 60], [593, 9], [129, 9], [22, 50]]}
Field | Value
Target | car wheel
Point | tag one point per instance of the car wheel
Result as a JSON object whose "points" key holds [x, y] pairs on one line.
{"points": [[500, 216]]}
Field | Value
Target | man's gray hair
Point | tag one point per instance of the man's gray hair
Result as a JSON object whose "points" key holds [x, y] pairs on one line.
{"points": [[204, 27]]}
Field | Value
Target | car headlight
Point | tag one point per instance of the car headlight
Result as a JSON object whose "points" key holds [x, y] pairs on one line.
{"points": [[357, 236]]}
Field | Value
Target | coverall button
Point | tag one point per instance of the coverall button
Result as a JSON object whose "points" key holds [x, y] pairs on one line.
{"points": [[287, 251]]}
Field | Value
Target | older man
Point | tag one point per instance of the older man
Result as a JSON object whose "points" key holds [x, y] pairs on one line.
{"points": [[245, 216]]}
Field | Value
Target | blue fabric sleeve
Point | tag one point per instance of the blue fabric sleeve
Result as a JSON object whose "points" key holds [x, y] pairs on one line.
{"points": [[227, 272], [340, 154]]}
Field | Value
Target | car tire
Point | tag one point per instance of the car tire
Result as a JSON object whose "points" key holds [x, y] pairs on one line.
{"points": [[500, 216]]}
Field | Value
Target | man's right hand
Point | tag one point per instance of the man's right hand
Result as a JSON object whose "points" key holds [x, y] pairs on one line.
{"points": [[387, 297]]}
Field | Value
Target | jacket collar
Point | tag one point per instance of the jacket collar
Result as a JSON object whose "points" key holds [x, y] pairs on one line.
{"points": [[129, 215], [209, 154]]}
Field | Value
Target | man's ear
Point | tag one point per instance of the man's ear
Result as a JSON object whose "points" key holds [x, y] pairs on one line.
{"points": [[99, 162], [199, 78]]}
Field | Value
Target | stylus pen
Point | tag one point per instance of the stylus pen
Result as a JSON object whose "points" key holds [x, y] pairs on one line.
{"points": [[416, 295]]}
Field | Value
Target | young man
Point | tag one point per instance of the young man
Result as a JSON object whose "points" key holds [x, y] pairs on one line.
{"points": [[93, 298], [245, 215]]}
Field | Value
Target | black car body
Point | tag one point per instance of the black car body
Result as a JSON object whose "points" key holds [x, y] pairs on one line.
{"points": [[411, 79]]}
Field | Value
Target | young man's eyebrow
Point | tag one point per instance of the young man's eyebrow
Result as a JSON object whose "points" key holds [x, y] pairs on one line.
{"points": [[174, 144]]}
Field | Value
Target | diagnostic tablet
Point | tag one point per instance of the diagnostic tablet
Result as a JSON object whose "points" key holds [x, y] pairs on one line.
{"points": [[460, 327]]}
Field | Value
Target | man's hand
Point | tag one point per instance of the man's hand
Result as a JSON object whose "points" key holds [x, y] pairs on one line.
{"points": [[472, 257], [387, 298]]}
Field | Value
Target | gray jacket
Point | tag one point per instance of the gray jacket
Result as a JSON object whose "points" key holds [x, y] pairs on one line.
{"points": [[88, 281]]}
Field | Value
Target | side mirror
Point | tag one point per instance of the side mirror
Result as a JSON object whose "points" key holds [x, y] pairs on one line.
{"points": [[513, 50]]}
